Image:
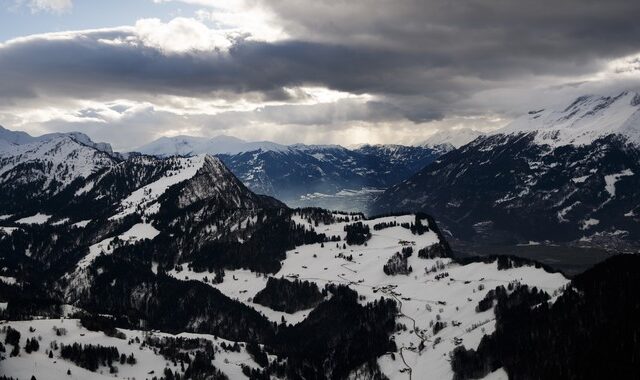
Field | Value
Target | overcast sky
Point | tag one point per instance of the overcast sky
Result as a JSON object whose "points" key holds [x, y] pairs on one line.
{"points": [[341, 71]]}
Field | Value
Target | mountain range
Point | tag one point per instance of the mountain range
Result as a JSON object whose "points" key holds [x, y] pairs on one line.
{"points": [[569, 174], [329, 176]]}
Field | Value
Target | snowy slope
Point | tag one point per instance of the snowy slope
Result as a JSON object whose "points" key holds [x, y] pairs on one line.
{"points": [[145, 198], [149, 361], [14, 137], [451, 139], [423, 297], [583, 121], [65, 158], [35, 169]]}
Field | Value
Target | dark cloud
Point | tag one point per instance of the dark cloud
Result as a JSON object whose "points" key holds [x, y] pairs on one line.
{"points": [[84, 63], [423, 60], [436, 49], [547, 29]]}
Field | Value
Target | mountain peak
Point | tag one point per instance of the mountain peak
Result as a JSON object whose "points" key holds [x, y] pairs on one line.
{"points": [[14, 138], [585, 119]]}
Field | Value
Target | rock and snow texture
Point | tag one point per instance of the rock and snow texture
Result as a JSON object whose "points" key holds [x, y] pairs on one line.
{"points": [[63, 159], [145, 199], [583, 121], [425, 296], [32, 169]]}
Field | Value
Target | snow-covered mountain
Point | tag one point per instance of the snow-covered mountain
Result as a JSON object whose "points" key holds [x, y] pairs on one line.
{"points": [[328, 176], [450, 139], [35, 168], [566, 175], [583, 121], [191, 145]]}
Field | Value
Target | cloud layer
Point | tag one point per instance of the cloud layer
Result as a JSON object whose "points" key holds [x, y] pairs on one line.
{"points": [[418, 65]]}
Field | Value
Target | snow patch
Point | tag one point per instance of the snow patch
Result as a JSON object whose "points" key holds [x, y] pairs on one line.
{"points": [[145, 198], [610, 181], [34, 219]]}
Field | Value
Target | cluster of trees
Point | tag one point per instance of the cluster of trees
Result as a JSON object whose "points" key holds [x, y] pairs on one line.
{"points": [[504, 262], [315, 216], [383, 225], [357, 233], [32, 345], [289, 296], [168, 304], [92, 357], [179, 350], [438, 326], [201, 368], [195, 357], [338, 336], [105, 324], [13, 338], [258, 354], [442, 275], [487, 302], [263, 252], [433, 251], [416, 228], [590, 332], [398, 263]]}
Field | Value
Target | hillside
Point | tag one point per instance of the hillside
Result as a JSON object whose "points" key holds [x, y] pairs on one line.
{"points": [[562, 176]]}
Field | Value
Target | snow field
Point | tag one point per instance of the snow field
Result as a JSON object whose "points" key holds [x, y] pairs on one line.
{"points": [[423, 299], [149, 363]]}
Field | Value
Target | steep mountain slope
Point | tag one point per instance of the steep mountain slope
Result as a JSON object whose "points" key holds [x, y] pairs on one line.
{"points": [[401, 161], [574, 181], [32, 169], [450, 139]]}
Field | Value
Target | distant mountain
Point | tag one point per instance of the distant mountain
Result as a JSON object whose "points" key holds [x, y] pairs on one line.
{"points": [[191, 145], [329, 176], [400, 160], [451, 139], [15, 137], [571, 175]]}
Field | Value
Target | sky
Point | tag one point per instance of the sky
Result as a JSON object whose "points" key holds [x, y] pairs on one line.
{"points": [[323, 71]]}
